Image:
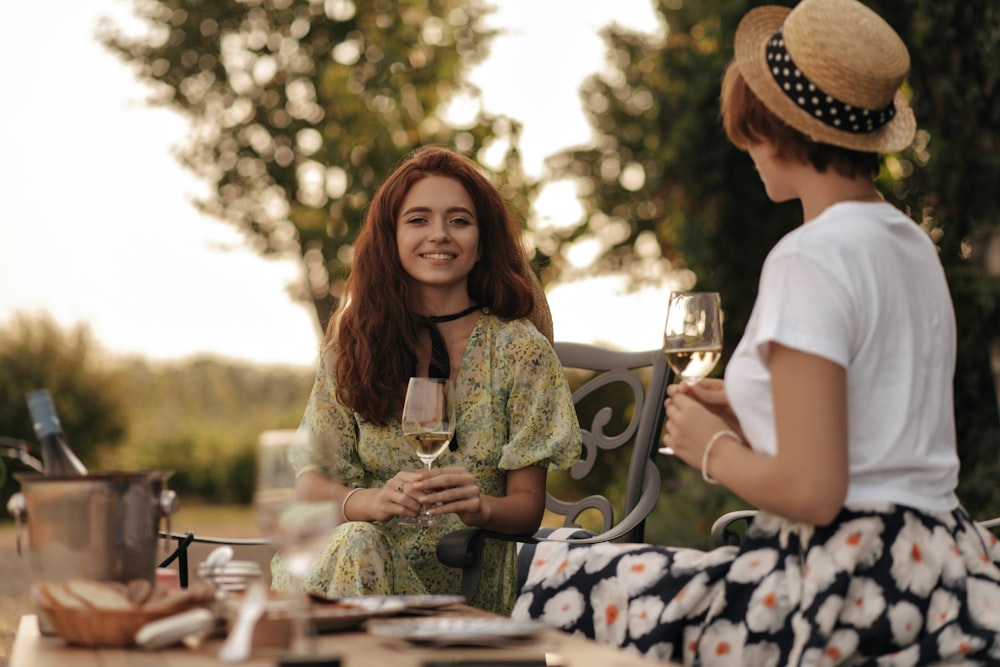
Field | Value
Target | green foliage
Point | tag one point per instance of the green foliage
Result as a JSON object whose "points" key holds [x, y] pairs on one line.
{"points": [[299, 109], [687, 507], [201, 419], [659, 113], [35, 352]]}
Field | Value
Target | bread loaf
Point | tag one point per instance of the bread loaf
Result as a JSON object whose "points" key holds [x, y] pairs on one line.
{"points": [[57, 595], [138, 594], [100, 594]]}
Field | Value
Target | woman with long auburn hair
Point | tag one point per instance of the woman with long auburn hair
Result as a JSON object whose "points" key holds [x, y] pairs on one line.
{"points": [[440, 286], [379, 307]]}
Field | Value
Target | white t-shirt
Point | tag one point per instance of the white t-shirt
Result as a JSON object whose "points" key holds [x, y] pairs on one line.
{"points": [[862, 286]]}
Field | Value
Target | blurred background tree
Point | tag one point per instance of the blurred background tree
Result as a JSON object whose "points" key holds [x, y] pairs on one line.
{"points": [[86, 388], [202, 418], [299, 109], [199, 418]]}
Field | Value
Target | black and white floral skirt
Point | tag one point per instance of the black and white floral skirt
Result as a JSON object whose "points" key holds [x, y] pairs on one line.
{"points": [[885, 585]]}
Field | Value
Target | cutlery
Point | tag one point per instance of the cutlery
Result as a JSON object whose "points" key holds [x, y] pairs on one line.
{"points": [[237, 647]]}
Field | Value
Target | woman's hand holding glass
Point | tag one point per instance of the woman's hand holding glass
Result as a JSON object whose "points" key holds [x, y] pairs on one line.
{"points": [[694, 414], [450, 491]]}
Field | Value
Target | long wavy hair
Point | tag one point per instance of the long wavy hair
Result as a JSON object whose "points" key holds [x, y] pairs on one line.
{"points": [[375, 331]]}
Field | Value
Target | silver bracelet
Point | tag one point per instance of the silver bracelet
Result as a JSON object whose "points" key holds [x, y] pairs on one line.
{"points": [[343, 505], [708, 449]]}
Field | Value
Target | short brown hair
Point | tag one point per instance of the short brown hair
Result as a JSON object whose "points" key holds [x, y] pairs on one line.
{"points": [[747, 121]]}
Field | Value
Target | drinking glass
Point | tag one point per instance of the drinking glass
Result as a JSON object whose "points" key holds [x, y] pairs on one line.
{"points": [[297, 527], [428, 425], [692, 336]]}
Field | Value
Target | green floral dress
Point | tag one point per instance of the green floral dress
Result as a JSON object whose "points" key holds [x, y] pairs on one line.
{"points": [[516, 411]]}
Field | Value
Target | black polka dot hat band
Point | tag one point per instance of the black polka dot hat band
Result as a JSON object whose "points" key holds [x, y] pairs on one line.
{"points": [[815, 101], [830, 69]]}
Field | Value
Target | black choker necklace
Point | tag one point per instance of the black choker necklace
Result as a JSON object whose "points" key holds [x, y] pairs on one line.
{"points": [[440, 365], [437, 319]]}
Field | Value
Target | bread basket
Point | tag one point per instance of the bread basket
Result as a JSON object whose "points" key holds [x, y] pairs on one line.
{"points": [[103, 627], [100, 613]]}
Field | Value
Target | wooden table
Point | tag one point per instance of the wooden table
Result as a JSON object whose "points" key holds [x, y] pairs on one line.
{"points": [[355, 648]]}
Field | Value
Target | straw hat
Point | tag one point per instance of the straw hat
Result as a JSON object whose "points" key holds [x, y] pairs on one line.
{"points": [[831, 69]]}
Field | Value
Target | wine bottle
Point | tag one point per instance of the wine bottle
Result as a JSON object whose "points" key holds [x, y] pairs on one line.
{"points": [[57, 457]]}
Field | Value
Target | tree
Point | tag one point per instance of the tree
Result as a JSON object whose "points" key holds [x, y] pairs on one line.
{"points": [[662, 166], [300, 108]]}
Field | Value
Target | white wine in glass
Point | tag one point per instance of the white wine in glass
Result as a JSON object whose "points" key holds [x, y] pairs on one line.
{"points": [[296, 526], [428, 425], [692, 336]]}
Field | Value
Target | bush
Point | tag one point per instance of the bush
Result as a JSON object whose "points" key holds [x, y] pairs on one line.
{"points": [[199, 418], [86, 387]]}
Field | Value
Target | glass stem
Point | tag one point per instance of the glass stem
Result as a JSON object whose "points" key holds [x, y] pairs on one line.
{"points": [[301, 641], [422, 515]]}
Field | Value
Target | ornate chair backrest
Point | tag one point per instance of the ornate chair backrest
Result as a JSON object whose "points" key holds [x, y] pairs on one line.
{"points": [[619, 400]]}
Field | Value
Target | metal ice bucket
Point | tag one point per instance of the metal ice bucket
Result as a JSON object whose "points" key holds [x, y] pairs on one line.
{"points": [[100, 526]]}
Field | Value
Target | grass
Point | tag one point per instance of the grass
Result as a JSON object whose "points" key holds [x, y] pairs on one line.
{"points": [[216, 520]]}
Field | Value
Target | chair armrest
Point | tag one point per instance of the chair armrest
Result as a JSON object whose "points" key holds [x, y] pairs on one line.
{"points": [[722, 531], [460, 548], [631, 525], [990, 524], [463, 548]]}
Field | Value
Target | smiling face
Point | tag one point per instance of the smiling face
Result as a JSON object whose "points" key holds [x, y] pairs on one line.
{"points": [[437, 236]]}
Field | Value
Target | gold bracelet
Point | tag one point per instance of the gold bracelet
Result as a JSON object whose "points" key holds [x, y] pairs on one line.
{"points": [[343, 505], [708, 448]]}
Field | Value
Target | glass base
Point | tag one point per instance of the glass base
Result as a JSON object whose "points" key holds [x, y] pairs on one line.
{"points": [[419, 520]]}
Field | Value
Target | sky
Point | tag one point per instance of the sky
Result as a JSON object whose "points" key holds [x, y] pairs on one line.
{"points": [[98, 225]]}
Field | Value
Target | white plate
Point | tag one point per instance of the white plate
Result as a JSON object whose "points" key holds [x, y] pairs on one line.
{"points": [[367, 603], [446, 631], [428, 601], [352, 612], [377, 602], [331, 616]]}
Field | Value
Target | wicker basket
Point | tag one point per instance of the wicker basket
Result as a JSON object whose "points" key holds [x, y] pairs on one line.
{"points": [[98, 627]]}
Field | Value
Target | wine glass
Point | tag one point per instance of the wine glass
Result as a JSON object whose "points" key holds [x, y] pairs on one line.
{"points": [[297, 527], [692, 336], [428, 425]]}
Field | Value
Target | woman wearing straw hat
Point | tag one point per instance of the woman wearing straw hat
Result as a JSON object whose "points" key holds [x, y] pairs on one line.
{"points": [[836, 417]]}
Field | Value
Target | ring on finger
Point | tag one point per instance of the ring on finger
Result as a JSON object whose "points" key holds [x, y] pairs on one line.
{"points": [[400, 487]]}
